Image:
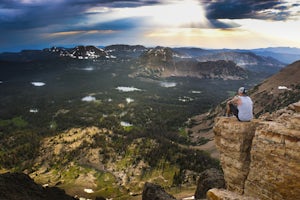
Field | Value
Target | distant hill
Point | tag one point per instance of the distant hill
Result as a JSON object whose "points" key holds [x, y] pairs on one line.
{"points": [[166, 62], [277, 91], [246, 60], [283, 54], [193, 51], [125, 51], [284, 50]]}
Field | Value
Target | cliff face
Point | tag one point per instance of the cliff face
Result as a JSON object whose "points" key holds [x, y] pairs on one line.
{"points": [[261, 158], [234, 139]]}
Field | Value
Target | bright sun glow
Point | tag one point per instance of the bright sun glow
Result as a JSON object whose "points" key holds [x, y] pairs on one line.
{"points": [[181, 13], [184, 22], [171, 14]]}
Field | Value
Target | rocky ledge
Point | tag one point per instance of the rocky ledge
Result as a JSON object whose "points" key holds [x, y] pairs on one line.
{"points": [[261, 158]]}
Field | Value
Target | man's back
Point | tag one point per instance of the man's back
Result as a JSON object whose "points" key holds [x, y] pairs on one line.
{"points": [[245, 109]]}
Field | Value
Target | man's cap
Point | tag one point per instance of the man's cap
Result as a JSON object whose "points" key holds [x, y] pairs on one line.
{"points": [[242, 90]]}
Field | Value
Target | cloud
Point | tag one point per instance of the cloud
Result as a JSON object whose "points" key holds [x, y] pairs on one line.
{"points": [[248, 9], [29, 17], [71, 33], [29, 14], [41, 23], [222, 24]]}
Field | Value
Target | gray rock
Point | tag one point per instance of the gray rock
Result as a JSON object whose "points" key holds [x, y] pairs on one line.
{"points": [[208, 179], [155, 192]]}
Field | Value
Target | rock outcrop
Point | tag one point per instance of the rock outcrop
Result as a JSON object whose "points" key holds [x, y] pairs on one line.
{"points": [[19, 186], [210, 178], [261, 158], [234, 140], [275, 158], [152, 191]]}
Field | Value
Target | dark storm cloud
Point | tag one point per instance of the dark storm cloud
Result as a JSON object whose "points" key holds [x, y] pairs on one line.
{"points": [[222, 25], [121, 4], [27, 22], [15, 15], [242, 9], [20, 17], [123, 24], [118, 25]]}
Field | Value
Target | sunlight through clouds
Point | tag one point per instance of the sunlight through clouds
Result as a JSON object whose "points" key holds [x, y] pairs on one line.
{"points": [[214, 38], [173, 14], [279, 32], [181, 13], [201, 23], [66, 33]]}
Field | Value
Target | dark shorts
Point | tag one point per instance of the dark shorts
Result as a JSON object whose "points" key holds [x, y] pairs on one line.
{"points": [[234, 110]]}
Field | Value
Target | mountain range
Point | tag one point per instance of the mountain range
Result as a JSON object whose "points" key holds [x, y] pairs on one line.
{"points": [[286, 55], [165, 61]]}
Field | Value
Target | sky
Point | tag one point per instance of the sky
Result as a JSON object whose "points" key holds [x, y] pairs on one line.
{"points": [[244, 24]]}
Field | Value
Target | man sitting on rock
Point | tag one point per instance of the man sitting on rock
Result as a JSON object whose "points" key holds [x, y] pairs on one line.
{"points": [[241, 106]]}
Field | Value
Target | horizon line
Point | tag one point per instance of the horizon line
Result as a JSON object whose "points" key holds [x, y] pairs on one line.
{"points": [[146, 46]]}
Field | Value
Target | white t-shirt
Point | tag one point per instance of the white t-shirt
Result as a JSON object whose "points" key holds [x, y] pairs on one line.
{"points": [[245, 109]]}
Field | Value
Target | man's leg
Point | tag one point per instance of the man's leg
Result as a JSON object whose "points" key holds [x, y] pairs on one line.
{"points": [[227, 109], [231, 109]]}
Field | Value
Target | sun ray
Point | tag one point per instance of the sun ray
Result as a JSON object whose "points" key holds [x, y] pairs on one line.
{"points": [[181, 13]]}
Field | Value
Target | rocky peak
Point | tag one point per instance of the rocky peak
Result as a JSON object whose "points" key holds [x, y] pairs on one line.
{"points": [[87, 52], [158, 55], [261, 158], [165, 62], [79, 52]]}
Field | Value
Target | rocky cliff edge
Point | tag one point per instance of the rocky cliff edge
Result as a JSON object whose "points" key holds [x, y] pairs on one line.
{"points": [[261, 158]]}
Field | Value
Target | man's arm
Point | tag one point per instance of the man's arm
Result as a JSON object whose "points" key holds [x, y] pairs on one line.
{"points": [[235, 100]]}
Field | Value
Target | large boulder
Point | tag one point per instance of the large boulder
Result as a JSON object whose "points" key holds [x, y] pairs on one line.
{"points": [[208, 179], [155, 192]]}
